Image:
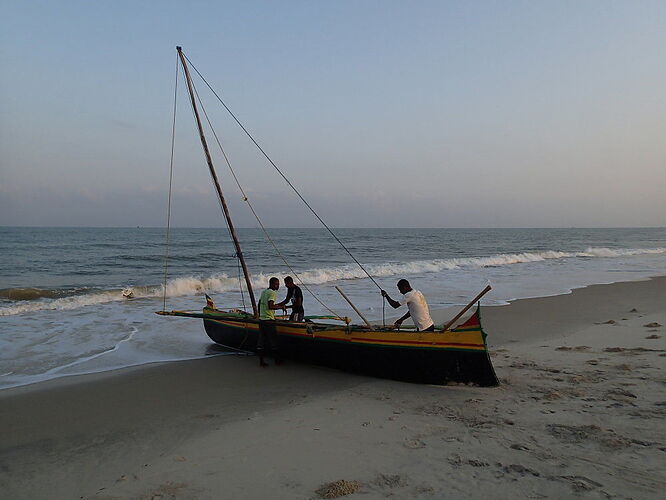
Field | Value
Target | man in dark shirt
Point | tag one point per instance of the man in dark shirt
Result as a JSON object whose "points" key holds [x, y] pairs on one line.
{"points": [[294, 294]]}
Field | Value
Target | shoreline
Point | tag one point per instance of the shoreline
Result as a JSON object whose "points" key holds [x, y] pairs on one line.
{"points": [[439, 316], [581, 381]]}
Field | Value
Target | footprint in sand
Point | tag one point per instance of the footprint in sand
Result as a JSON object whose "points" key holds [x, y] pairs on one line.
{"points": [[623, 367], [652, 325], [619, 395], [609, 322], [520, 469], [653, 337], [582, 483], [414, 444], [390, 481]]}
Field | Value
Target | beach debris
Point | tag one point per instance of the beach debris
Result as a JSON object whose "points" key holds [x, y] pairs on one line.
{"points": [[652, 325], [339, 488], [653, 336], [609, 322]]}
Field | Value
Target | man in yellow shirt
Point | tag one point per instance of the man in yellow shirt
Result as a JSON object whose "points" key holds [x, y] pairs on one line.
{"points": [[267, 331]]}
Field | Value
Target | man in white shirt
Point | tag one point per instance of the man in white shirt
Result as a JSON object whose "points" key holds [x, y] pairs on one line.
{"points": [[416, 305]]}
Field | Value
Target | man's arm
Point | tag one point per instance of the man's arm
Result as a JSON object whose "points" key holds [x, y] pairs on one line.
{"points": [[394, 303], [273, 305], [399, 322], [286, 299]]}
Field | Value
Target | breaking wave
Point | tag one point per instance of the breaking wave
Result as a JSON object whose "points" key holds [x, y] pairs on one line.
{"points": [[26, 300]]}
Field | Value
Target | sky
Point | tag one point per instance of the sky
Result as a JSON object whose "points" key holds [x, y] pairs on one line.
{"points": [[381, 113]]}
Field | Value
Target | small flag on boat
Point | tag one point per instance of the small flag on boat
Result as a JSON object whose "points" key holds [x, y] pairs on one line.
{"points": [[209, 302]]}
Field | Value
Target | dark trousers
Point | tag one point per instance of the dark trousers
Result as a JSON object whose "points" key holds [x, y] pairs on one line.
{"points": [[296, 315], [268, 339]]}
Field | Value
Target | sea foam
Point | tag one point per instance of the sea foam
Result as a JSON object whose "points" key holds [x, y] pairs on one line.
{"points": [[194, 285]]}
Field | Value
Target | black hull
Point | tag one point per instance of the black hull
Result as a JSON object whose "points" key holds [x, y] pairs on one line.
{"points": [[417, 365]]}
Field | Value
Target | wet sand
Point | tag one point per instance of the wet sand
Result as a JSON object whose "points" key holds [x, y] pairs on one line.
{"points": [[581, 411]]}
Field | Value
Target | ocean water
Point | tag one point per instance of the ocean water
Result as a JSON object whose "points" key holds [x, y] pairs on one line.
{"points": [[81, 300]]}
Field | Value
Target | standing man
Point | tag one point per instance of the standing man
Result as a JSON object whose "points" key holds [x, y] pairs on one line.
{"points": [[294, 294], [416, 305], [267, 330]]}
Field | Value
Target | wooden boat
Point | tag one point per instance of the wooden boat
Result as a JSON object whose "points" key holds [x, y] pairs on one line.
{"points": [[457, 354]]}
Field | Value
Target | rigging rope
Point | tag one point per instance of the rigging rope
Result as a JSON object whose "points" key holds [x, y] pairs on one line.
{"points": [[281, 174], [168, 229], [247, 200]]}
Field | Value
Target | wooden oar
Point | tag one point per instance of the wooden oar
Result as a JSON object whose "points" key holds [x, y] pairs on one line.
{"points": [[474, 300], [354, 307]]}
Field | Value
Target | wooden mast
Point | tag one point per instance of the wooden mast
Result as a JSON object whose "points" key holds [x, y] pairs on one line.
{"points": [[213, 174]]}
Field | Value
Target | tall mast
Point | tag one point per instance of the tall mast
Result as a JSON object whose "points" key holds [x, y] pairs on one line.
{"points": [[213, 174]]}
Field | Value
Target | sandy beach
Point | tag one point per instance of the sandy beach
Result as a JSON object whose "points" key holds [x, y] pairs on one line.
{"points": [[581, 411]]}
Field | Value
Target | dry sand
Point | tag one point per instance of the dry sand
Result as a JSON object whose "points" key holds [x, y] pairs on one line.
{"points": [[580, 413]]}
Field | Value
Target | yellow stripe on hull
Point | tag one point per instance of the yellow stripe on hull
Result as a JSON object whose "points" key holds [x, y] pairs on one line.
{"points": [[469, 339]]}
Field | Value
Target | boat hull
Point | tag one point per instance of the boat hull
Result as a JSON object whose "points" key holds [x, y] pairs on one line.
{"points": [[459, 355]]}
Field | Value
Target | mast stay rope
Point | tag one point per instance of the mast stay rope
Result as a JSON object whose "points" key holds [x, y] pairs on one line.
{"points": [[256, 216], [281, 173]]}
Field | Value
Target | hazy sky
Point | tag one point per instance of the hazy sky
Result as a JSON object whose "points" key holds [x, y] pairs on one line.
{"points": [[383, 113]]}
